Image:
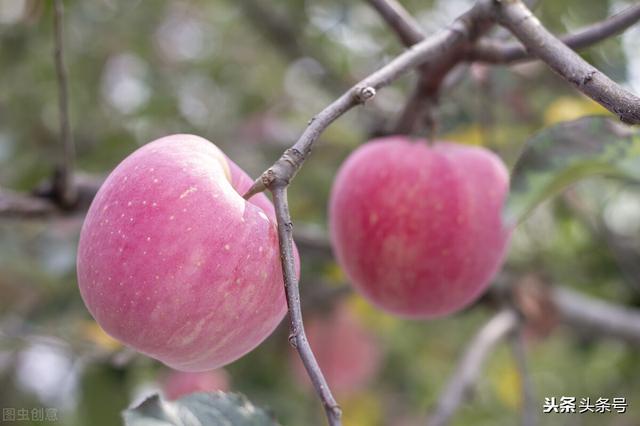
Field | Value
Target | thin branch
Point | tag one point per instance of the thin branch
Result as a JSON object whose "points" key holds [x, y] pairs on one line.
{"points": [[418, 103], [596, 317], [43, 203], [419, 106], [503, 52], [65, 190], [422, 100], [529, 412], [429, 51], [18, 205], [298, 338], [516, 17], [406, 28], [466, 372]]}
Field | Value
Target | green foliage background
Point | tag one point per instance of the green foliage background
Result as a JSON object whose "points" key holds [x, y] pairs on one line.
{"points": [[140, 70]]}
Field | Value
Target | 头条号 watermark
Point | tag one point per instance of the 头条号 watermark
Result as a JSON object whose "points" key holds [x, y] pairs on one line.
{"points": [[571, 404], [37, 414]]}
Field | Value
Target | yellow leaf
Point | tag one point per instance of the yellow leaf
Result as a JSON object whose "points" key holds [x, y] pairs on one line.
{"points": [[568, 108], [468, 135], [507, 385], [361, 410], [92, 332], [370, 315], [333, 273]]}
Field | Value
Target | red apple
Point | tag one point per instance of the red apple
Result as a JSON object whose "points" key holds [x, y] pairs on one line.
{"points": [[418, 228], [348, 354], [179, 383], [173, 262]]}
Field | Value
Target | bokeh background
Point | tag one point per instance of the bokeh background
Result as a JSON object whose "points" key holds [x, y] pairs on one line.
{"points": [[248, 75]]}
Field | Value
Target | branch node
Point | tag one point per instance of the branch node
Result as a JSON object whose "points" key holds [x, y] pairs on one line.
{"points": [[293, 340], [364, 93], [279, 174]]}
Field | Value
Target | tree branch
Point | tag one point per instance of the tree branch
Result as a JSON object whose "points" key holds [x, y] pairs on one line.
{"points": [[409, 33], [43, 203], [434, 79], [466, 372], [529, 412], [406, 28], [430, 51], [432, 76], [516, 17], [596, 317], [593, 317], [63, 180], [298, 338], [15, 204], [503, 52]]}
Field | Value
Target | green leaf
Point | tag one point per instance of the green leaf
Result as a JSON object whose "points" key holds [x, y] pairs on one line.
{"points": [[563, 154], [198, 409]]}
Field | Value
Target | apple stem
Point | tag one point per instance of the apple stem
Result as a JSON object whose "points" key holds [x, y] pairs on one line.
{"points": [[298, 338]]}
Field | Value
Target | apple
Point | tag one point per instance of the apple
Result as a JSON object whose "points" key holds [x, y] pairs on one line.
{"points": [[180, 383], [173, 262], [417, 228], [348, 354]]}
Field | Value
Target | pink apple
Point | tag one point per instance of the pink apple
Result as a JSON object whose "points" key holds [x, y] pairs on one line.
{"points": [[173, 262], [349, 355], [179, 383], [418, 228]]}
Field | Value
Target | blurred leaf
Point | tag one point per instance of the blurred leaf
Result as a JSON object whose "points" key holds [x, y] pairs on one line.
{"points": [[563, 154], [213, 409], [568, 108], [334, 273], [507, 385], [362, 410], [94, 333], [103, 394], [372, 316], [469, 135]]}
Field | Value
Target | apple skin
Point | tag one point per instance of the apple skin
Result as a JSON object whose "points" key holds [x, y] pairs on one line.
{"points": [[180, 383], [418, 228], [173, 262], [348, 354]]}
